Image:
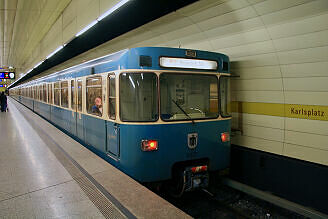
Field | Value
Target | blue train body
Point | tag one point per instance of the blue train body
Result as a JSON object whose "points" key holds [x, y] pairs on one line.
{"points": [[119, 141]]}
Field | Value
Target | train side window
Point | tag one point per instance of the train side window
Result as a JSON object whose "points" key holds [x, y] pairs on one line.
{"points": [[56, 94], [225, 101], [94, 96], [37, 92], [112, 97], [73, 99], [44, 86], [34, 92], [64, 94], [40, 92], [50, 93], [79, 95]]}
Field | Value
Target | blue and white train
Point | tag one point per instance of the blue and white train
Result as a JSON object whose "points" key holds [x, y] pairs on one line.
{"points": [[157, 114]]}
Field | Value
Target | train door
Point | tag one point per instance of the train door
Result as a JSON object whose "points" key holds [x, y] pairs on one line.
{"points": [[113, 128], [79, 120]]}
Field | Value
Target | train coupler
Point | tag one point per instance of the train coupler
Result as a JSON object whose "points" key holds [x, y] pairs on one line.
{"points": [[196, 177]]}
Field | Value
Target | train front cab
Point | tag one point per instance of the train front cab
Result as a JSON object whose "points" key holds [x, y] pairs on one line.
{"points": [[174, 125]]}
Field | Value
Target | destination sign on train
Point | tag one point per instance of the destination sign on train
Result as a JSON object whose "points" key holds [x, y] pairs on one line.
{"points": [[170, 62], [7, 75]]}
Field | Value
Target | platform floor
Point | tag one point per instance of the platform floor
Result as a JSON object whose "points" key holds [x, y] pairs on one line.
{"points": [[46, 174]]}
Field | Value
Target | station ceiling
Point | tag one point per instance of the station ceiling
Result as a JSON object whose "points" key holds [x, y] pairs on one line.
{"points": [[24, 23]]}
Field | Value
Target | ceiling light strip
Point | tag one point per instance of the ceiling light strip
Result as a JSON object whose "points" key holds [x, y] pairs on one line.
{"points": [[117, 6]]}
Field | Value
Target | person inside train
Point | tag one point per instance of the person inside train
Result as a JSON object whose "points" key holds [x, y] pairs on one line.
{"points": [[97, 108], [3, 102]]}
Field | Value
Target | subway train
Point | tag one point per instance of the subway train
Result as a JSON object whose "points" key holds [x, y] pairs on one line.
{"points": [[158, 114]]}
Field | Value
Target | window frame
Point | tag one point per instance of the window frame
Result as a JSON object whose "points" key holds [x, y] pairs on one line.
{"points": [[193, 119], [86, 95], [59, 98], [61, 90], [77, 95], [44, 93], [109, 76], [73, 94], [157, 92], [50, 93], [219, 95]]}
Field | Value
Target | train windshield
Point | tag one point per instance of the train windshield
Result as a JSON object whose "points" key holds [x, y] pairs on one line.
{"points": [[138, 97], [188, 96]]}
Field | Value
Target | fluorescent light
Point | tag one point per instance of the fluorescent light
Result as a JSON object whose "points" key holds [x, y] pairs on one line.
{"points": [[38, 64], [86, 28], [29, 71], [118, 5], [170, 62], [54, 52]]}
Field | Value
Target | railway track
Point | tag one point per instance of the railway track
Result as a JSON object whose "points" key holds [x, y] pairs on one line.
{"points": [[221, 201]]}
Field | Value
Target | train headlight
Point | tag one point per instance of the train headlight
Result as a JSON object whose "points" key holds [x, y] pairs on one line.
{"points": [[225, 137], [149, 145]]}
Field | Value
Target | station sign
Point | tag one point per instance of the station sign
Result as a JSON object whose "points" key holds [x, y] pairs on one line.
{"points": [[7, 75]]}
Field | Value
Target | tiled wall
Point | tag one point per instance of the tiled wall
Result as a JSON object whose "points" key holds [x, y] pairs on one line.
{"points": [[278, 47]]}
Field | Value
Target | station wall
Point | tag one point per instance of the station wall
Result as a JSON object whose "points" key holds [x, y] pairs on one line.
{"points": [[278, 48]]}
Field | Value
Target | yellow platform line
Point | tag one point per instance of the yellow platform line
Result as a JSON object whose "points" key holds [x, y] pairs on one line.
{"points": [[313, 112]]}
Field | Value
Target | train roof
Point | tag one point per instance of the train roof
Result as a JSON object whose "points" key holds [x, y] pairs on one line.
{"points": [[138, 58]]}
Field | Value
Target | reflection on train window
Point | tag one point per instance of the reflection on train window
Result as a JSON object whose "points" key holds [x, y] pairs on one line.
{"points": [[40, 92], [79, 95], [112, 97], [34, 93], [73, 101], [187, 97], [225, 104], [56, 94], [138, 97], [50, 93], [44, 96], [64, 94], [93, 97]]}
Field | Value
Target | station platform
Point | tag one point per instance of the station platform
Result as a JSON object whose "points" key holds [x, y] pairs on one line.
{"points": [[46, 174]]}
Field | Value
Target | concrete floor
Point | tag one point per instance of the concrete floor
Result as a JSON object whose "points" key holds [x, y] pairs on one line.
{"points": [[33, 183]]}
